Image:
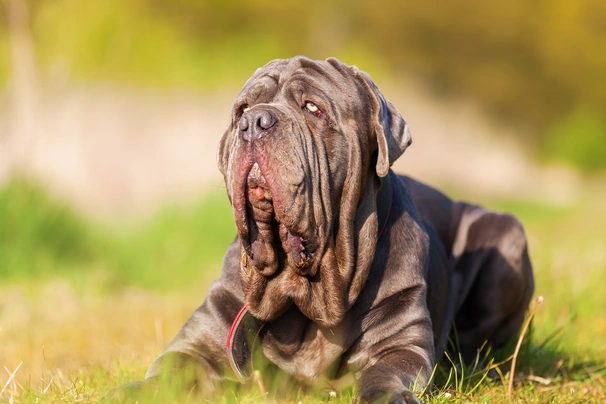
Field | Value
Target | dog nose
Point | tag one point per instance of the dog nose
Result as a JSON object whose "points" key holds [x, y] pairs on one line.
{"points": [[254, 124]]}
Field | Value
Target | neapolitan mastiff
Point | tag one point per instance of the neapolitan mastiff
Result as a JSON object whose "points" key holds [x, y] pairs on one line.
{"points": [[340, 265]]}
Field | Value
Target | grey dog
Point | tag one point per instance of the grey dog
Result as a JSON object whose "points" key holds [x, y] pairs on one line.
{"points": [[340, 265]]}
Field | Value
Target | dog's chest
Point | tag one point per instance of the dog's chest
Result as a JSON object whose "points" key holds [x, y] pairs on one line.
{"points": [[304, 352]]}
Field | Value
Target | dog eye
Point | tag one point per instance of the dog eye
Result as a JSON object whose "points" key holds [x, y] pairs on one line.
{"points": [[244, 108], [313, 108]]}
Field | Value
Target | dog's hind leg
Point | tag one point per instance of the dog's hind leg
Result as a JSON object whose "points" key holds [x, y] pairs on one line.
{"points": [[498, 282]]}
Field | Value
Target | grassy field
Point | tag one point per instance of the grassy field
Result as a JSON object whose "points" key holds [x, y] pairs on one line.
{"points": [[86, 305]]}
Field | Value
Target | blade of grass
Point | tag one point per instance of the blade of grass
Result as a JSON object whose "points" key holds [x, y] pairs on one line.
{"points": [[10, 378], [538, 302]]}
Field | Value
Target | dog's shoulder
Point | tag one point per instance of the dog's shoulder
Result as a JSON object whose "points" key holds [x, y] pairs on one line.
{"points": [[437, 210]]}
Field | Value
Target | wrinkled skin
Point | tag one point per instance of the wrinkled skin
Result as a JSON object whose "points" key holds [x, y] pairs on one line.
{"points": [[290, 188], [350, 267]]}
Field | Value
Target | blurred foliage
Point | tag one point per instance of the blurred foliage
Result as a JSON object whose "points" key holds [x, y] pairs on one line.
{"points": [[579, 138], [176, 245], [37, 235], [530, 64], [42, 237]]}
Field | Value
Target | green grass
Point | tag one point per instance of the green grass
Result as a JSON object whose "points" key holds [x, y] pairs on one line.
{"points": [[86, 306]]}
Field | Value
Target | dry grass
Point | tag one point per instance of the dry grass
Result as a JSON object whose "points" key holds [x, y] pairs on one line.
{"points": [[71, 345]]}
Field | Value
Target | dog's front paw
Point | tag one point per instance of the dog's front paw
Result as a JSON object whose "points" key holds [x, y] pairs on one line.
{"points": [[388, 396], [124, 394], [146, 391]]}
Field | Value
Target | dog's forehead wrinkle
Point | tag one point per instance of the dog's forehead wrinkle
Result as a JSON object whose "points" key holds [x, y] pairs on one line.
{"points": [[272, 68], [318, 73], [260, 89], [296, 91]]}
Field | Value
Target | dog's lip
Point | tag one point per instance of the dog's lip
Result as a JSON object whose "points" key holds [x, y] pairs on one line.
{"points": [[261, 211], [255, 179], [301, 249]]}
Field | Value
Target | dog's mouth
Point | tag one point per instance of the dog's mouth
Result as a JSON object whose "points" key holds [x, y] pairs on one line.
{"points": [[273, 240]]}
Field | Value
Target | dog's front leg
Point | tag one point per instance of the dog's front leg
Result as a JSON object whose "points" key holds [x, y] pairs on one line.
{"points": [[402, 361], [196, 359], [394, 375], [176, 373]]}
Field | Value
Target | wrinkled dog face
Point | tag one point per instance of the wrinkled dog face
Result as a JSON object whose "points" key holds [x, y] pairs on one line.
{"points": [[284, 126], [299, 145]]}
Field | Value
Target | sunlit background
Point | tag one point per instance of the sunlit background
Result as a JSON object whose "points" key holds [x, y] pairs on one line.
{"points": [[113, 218]]}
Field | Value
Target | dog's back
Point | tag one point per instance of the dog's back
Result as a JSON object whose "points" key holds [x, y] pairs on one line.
{"points": [[489, 270]]}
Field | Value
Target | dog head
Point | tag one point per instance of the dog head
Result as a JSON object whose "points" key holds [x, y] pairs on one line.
{"points": [[302, 158]]}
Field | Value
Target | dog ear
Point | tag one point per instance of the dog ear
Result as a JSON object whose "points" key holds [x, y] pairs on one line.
{"points": [[392, 132]]}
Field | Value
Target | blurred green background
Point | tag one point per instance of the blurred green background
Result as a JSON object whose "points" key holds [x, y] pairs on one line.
{"points": [[536, 65], [111, 110]]}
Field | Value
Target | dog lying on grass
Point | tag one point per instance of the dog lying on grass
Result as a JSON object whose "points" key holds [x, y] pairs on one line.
{"points": [[339, 264]]}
